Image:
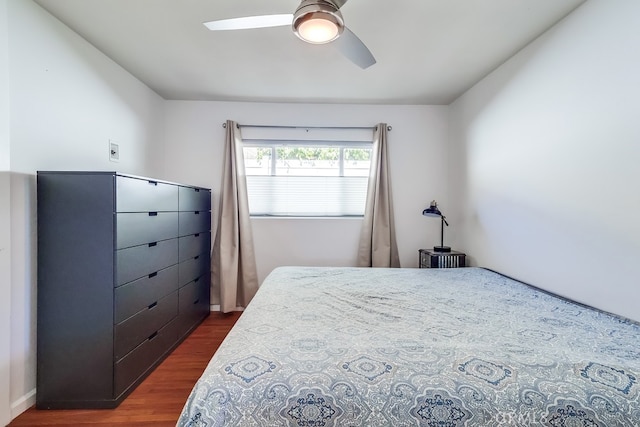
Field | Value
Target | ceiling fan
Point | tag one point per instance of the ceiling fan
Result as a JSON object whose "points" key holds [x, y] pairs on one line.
{"points": [[315, 22]]}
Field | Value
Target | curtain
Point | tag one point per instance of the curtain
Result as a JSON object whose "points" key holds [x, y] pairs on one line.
{"points": [[378, 247], [233, 263]]}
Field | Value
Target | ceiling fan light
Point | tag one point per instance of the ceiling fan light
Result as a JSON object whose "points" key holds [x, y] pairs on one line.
{"points": [[318, 30], [317, 22]]}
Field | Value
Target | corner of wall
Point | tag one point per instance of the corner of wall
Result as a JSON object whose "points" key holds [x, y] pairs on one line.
{"points": [[5, 222]]}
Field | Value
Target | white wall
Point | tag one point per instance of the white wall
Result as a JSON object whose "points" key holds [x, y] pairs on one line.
{"points": [[4, 88], [545, 160], [417, 148], [67, 100], [5, 226]]}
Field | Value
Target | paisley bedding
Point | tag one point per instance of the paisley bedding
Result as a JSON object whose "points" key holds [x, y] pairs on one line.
{"points": [[417, 347]]}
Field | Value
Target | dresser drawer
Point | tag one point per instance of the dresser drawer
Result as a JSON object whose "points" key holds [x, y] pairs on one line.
{"points": [[193, 304], [195, 244], [139, 294], [143, 358], [144, 227], [139, 261], [194, 199], [141, 195], [145, 323], [194, 222], [193, 268]]}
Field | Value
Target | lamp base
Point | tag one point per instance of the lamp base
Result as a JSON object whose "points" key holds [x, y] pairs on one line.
{"points": [[442, 248]]}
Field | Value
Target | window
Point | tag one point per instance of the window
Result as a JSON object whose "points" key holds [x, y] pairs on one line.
{"points": [[307, 177]]}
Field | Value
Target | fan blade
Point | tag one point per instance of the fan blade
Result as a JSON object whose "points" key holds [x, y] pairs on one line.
{"points": [[247, 22], [353, 48]]}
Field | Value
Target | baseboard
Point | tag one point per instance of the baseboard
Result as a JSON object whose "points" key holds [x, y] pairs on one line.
{"points": [[216, 307], [22, 404]]}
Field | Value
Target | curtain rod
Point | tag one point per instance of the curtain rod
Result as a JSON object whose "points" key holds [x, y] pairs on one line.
{"points": [[224, 125]]}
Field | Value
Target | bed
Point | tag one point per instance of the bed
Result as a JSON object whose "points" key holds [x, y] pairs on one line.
{"points": [[417, 347]]}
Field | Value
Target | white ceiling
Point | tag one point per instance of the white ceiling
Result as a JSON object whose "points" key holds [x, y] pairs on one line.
{"points": [[428, 51]]}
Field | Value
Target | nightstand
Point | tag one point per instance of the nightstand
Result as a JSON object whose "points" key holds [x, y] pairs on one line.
{"points": [[428, 258]]}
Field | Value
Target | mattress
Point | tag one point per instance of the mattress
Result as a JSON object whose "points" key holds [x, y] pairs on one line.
{"points": [[417, 347]]}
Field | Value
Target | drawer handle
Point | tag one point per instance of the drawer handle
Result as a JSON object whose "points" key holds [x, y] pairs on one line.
{"points": [[152, 244], [153, 275], [197, 212], [153, 335], [196, 235], [152, 305], [153, 182], [196, 301], [196, 257], [196, 280], [153, 213], [197, 190]]}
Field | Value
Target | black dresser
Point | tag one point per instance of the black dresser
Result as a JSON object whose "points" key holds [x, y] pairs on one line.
{"points": [[123, 278]]}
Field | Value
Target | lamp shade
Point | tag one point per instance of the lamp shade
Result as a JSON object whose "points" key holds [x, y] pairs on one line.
{"points": [[432, 210], [317, 30]]}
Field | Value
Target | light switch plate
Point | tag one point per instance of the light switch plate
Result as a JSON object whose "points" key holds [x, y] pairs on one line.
{"points": [[114, 151]]}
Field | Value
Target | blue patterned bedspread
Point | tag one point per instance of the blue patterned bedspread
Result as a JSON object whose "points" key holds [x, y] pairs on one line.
{"points": [[417, 347]]}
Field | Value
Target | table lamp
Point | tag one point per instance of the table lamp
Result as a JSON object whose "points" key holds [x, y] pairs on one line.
{"points": [[433, 211]]}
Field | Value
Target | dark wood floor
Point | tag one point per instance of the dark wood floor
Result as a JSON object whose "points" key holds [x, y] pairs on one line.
{"points": [[159, 399]]}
